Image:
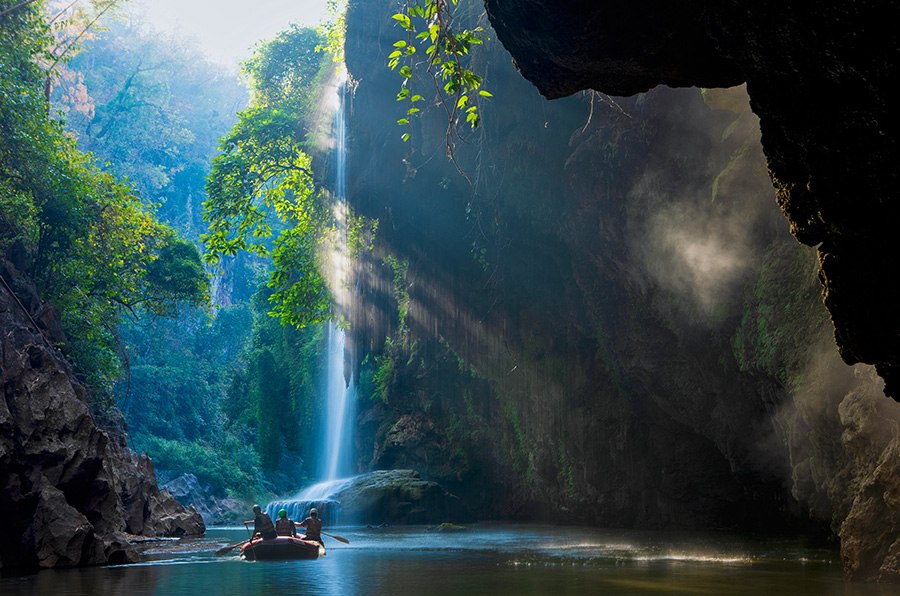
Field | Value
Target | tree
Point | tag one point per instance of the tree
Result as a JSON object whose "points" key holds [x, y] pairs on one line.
{"points": [[152, 110], [85, 239], [262, 183]]}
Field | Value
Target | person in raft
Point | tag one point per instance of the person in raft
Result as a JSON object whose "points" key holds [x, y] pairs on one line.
{"points": [[262, 524], [313, 527], [285, 526]]}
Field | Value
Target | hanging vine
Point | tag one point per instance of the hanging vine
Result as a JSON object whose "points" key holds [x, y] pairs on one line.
{"points": [[432, 26]]}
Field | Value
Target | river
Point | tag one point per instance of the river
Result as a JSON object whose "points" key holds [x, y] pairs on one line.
{"points": [[486, 559]]}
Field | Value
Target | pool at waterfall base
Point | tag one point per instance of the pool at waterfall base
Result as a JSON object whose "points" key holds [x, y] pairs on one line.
{"points": [[478, 559]]}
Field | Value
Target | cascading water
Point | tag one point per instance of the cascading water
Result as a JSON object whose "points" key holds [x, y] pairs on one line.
{"points": [[340, 396], [337, 453]]}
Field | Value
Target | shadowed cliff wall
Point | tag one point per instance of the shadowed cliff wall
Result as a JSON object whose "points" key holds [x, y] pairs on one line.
{"points": [[611, 325]]}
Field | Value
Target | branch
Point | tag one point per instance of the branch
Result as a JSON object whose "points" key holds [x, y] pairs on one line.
{"points": [[63, 11], [78, 37]]}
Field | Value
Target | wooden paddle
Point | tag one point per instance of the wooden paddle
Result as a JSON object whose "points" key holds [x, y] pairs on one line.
{"points": [[226, 549], [338, 538]]}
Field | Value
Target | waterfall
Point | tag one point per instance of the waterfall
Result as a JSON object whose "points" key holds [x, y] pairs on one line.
{"points": [[336, 462], [340, 394]]}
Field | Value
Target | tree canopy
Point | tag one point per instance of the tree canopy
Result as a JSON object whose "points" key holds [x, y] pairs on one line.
{"points": [[84, 237], [261, 184]]}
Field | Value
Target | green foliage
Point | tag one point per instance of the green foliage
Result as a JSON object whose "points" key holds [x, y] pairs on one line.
{"points": [[566, 476], [261, 172], [152, 111], [399, 348], [300, 293], [274, 397], [261, 183], [230, 467], [521, 456], [361, 233], [434, 26], [285, 69], [401, 289], [178, 270], [87, 241], [385, 371], [334, 30], [179, 369]]}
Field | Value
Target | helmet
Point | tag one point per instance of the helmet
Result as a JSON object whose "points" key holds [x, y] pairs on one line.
{"points": [[313, 512], [256, 509], [282, 513]]}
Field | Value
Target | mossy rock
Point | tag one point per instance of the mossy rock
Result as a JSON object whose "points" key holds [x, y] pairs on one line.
{"points": [[397, 497], [448, 527]]}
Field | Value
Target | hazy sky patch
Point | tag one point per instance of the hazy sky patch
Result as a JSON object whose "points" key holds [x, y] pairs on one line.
{"points": [[227, 30]]}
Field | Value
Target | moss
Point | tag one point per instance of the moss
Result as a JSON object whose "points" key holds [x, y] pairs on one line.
{"points": [[401, 289], [523, 459], [781, 311], [566, 476]]}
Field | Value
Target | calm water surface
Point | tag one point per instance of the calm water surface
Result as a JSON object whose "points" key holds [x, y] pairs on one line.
{"points": [[487, 559]]}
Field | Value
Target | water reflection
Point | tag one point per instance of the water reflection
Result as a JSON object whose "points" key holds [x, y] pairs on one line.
{"points": [[488, 560]]}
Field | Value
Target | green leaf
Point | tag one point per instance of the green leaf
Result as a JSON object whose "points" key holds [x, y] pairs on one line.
{"points": [[484, 93], [402, 19], [405, 137]]}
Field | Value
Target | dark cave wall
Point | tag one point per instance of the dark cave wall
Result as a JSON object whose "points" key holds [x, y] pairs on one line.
{"points": [[531, 319], [820, 78], [612, 325]]}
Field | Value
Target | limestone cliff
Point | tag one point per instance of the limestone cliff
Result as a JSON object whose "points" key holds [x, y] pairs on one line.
{"points": [[70, 492], [821, 78], [612, 324]]}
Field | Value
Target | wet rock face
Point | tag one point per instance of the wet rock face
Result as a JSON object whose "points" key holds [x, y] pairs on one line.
{"points": [[820, 78], [68, 492], [397, 497], [191, 493]]}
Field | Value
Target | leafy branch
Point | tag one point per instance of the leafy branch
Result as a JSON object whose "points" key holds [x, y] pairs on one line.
{"points": [[432, 25]]}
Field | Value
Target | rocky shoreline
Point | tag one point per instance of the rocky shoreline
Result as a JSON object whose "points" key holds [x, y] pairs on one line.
{"points": [[71, 492]]}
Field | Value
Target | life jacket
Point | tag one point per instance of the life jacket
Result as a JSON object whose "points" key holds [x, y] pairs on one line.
{"points": [[262, 523], [313, 527], [285, 527]]}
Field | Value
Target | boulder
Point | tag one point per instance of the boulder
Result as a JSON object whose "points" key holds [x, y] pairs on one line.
{"points": [[397, 497], [61, 533], [190, 492]]}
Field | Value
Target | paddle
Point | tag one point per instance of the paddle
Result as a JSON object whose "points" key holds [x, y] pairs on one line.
{"points": [[338, 538], [226, 549]]}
